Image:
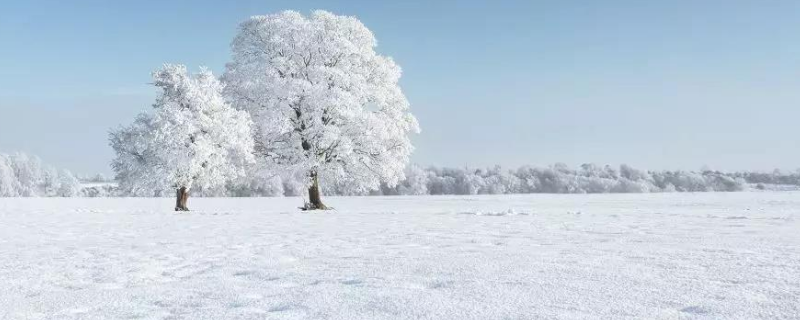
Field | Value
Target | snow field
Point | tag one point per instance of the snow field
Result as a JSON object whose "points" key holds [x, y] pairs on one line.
{"points": [[623, 256]]}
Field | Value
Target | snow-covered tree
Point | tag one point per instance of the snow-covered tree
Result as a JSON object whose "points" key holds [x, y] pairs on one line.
{"points": [[28, 170], [193, 138], [9, 185], [324, 103], [68, 185], [416, 182]]}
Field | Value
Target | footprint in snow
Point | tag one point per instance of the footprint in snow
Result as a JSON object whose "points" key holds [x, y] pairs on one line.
{"points": [[694, 310], [438, 284], [280, 308], [287, 307], [244, 273]]}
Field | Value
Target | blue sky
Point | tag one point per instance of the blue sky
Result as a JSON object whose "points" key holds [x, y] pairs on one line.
{"points": [[655, 84]]}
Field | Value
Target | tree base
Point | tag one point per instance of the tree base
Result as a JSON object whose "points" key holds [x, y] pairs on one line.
{"points": [[181, 196], [314, 197], [310, 206]]}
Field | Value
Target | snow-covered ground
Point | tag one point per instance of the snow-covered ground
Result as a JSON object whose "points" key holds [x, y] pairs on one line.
{"points": [[625, 256]]}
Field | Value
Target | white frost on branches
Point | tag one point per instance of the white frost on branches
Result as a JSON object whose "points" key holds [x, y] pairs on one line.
{"points": [[323, 101], [193, 138]]}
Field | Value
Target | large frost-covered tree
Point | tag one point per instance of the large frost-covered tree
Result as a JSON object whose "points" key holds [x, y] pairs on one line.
{"points": [[324, 103], [193, 138]]}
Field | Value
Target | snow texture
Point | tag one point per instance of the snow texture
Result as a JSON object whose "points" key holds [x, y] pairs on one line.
{"points": [[612, 256]]}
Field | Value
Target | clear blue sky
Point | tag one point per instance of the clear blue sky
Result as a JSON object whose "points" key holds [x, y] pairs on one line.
{"points": [[655, 84]]}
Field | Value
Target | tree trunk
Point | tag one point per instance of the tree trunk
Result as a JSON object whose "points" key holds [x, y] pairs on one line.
{"points": [[181, 196], [314, 196]]}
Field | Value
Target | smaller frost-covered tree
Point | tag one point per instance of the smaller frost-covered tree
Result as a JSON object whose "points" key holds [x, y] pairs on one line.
{"points": [[191, 139], [324, 103]]}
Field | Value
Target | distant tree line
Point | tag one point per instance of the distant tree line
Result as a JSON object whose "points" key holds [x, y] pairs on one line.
{"points": [[558, 178], [22, 175]]}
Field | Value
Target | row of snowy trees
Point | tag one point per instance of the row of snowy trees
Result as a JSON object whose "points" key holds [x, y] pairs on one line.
{"points": [[558, 178], [776, 177], [303, 99], [22, 175]]}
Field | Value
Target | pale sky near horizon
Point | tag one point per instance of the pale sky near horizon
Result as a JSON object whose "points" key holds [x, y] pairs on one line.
{"points": [[654, 84]]}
